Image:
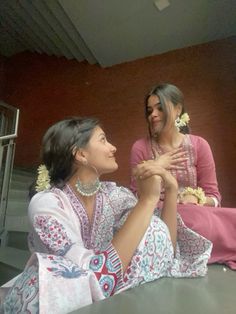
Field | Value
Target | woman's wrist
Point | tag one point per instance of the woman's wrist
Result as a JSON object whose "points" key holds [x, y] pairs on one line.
{"points": [[171, 191], [173, 187], [148, 202]]}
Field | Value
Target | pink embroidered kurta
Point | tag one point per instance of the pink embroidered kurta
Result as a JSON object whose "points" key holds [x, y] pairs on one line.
{"points": [[76, 263], [215, 223]]}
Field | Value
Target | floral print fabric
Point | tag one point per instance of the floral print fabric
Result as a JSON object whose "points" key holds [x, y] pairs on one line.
{"points": [[78, 265]]}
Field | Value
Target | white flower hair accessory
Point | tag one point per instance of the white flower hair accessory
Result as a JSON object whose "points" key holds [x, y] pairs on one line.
{"points": [[182, 121], [198, 192], [43, 180]]}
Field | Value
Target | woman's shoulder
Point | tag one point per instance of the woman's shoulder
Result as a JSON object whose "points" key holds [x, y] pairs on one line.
{"points": [[197, 140], [140, 142], [141, 150], [47, 198]]}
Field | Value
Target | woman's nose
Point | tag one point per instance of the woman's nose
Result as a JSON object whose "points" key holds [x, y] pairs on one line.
{"points": [[155, 112], [113, 148]]}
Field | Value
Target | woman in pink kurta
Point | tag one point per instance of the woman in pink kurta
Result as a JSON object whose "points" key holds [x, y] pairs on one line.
{"points": [[92, 239], [190, 160]]}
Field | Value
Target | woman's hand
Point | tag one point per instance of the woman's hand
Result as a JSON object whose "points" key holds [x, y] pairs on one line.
{"points": [[148, 174], [148, 182], [188, 199], [174, 159]]}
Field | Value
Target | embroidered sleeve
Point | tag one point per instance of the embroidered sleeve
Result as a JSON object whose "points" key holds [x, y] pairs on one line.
{"points": [[52, 227], [57, 233], [107, 268], [52, 234]]}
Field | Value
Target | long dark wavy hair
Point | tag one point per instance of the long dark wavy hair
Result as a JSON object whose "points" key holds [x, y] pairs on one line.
{"points": [[59, 145], [167, 93]]}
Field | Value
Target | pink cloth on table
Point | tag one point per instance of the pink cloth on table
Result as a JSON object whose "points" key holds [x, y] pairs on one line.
{"points": [[217, 224]]}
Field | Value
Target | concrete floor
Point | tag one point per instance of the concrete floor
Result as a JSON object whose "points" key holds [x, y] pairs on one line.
{"points": [[213, 294]]}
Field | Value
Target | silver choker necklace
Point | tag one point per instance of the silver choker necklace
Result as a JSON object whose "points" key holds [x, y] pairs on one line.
{"points": [[88, 189]]}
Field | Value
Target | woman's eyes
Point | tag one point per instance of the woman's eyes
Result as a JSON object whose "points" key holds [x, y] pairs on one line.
{"points": [[103, 139], [150, 110]]}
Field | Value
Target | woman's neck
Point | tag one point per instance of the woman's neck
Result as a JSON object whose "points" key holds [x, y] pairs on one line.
{"points": [[85, 174], [170, 139], [87, 201]]}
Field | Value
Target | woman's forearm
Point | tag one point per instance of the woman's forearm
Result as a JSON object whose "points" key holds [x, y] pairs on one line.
{"points": [[169, 213], [129, 236]]}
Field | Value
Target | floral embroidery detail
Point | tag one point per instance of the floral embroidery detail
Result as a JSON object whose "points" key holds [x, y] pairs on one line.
{"points": [[155, 258], [87, 230], [32, 281], [97, 262], [110, 212], [67, 271], [63, 267], [52, 234], [23, 297], [107, 285], [107, 268]]}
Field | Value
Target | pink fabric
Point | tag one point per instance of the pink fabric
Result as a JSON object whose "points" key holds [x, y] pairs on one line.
{"points": [[217, 224], [205, 166], [199, 170]]}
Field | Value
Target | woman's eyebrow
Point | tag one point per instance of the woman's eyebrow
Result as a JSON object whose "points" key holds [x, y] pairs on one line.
{"points": [[156, 104], [102, 134]]}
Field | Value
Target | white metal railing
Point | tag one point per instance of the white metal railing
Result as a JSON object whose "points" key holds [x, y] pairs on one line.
{"points": [[9, 120]]}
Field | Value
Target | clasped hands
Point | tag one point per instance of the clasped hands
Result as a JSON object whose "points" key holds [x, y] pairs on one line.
{"points": [[159, 166], [150, 173], [149, 176]]}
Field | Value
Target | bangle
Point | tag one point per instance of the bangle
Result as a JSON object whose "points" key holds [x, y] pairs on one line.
{"points": [[216, 203], [198, 192]]}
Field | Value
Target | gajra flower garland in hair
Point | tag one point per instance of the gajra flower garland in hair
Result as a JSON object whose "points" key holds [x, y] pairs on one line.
{"points": [[43, 179]]}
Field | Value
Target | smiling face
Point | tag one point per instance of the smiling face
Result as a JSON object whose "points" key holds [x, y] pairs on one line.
{"points": [[99, 153], [161, 116], [155, 115]]}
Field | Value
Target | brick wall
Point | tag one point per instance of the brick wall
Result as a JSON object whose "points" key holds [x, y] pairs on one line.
{"points": [[47, 89]]}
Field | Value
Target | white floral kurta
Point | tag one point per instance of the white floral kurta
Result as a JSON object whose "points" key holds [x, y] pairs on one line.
{"points": [[77, 263]]}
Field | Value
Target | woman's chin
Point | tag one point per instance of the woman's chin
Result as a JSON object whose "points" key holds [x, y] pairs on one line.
{"points": [[114, 168], [109, 170]]}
